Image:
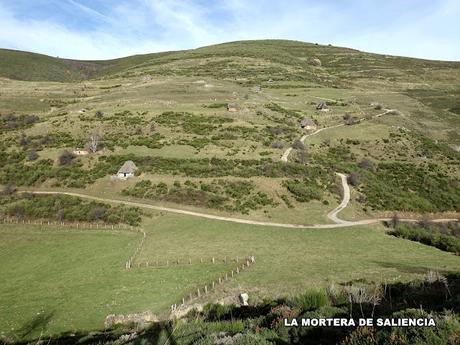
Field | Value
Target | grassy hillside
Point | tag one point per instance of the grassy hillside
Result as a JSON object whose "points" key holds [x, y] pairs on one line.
{"points": [[392, 126], [43, 267], [27, 66]]}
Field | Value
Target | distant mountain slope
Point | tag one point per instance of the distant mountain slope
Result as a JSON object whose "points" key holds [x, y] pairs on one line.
{"points": [[280, 59], [28, 66]]}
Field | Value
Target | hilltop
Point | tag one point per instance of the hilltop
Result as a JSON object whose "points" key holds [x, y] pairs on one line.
{"points": [[285, 151]]}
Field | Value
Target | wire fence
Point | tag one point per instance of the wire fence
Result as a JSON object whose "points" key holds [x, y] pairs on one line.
{"points": [[241, 266], [78, 225]]}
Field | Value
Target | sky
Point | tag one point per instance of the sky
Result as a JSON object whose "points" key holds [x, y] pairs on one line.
{"points": [[104, 29]]}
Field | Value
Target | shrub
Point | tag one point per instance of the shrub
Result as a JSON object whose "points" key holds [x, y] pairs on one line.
{"points": [[32, 155], [303, 191], [68, 208], [298, 145], [366, 164], [277, 144], [66, 157], [353, 179], [311, 300], [430, 236]]}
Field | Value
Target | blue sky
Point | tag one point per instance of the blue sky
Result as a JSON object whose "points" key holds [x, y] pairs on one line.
{"points": [[101, 29]]}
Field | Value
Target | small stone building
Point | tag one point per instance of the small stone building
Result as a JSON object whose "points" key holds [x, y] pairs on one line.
{"points": [[233, 107], [322, 107], [308, 124], [127, 170]]}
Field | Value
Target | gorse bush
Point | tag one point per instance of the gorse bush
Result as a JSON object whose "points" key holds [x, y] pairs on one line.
{"points": [[66, 208], [13, 122], [304, 190], [236, 196], [311, 299], [431, 236]]}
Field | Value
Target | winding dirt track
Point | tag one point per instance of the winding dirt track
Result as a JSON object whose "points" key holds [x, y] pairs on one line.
{"points": [[286, 153], [340, 223]]}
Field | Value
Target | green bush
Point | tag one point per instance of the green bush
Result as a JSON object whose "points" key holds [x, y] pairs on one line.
{"points": [[311, 300], [303, 191], [430, 236], [66, 208]]}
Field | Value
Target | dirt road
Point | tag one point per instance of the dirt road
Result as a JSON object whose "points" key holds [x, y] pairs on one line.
{"points": [[341, 224], [286, 153]]}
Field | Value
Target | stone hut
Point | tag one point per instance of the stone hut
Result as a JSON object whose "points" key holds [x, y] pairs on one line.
{"points": [[322, 107], [308, 124], [315, 62], [233, 107], [127, 170]]}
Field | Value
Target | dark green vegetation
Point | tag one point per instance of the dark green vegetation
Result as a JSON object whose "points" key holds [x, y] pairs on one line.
{"points": [[305, 190], [443, 236], [13, 122], [65, 208], [406, 172], [236, 196], [168, 114], [30, 66], [264, 323]]}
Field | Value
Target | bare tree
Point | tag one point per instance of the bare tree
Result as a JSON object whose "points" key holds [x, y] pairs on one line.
{"points": [[395, 220], [94, 142]]}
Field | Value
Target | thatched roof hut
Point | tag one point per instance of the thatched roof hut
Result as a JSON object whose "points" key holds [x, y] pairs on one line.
{"points": [[322, 106], [127, 170], [233, 107], [308, 124]]}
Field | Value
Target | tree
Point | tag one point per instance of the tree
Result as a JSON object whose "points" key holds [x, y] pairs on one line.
{"points": [[94, 143], [366, 164], [66, 158], [298, 145], [353, 179]]}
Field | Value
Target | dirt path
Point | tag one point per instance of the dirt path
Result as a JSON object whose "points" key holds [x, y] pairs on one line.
{"points": [[286, 153], [346, 199], [232, 219]]}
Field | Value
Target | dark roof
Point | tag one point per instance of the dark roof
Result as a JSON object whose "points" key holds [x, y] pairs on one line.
{"points": [[321, 105]]}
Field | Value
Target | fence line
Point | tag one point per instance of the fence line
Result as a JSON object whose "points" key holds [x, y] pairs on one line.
{"points": [[129, 264], [206, 289], [161, 263], [83, 225]]}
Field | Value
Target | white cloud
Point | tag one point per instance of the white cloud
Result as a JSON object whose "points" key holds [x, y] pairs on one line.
{"points": [[143, 26]]}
